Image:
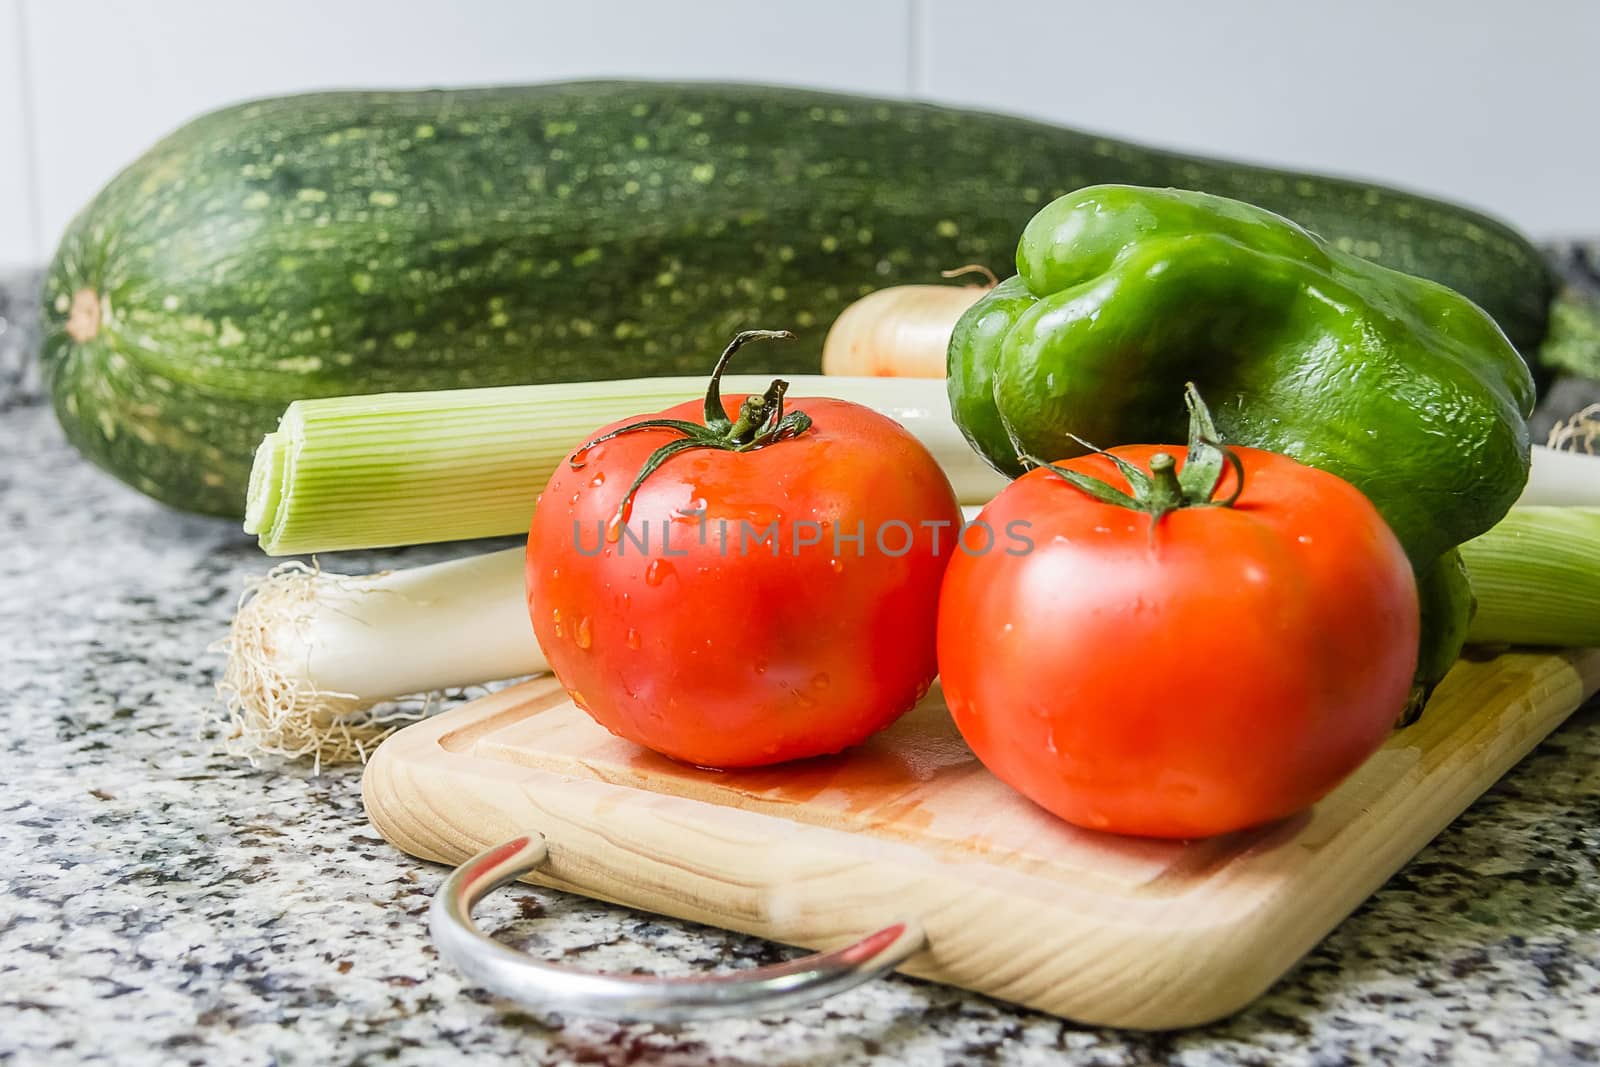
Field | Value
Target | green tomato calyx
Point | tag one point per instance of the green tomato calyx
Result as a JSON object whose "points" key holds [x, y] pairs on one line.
{"points": [[1163, 488], [761, 422]]}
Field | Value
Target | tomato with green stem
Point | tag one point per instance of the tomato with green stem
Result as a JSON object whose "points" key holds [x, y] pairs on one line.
{"points": [[757, 586], [1193, 645]]}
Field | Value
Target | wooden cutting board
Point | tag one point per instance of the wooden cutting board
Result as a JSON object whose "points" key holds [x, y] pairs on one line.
{"points": [[1018, 905]]}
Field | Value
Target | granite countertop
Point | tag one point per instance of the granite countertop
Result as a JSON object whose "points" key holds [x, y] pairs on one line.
{"points": [[163, 903]]}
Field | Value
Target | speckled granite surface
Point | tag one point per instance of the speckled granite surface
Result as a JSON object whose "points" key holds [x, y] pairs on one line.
{"points": [[162, 904]]}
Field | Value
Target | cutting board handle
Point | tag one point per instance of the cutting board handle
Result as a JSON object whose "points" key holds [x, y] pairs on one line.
{"points": [[646, 998]]}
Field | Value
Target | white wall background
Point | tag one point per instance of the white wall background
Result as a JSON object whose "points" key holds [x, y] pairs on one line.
{"points": [[1491, 103]]}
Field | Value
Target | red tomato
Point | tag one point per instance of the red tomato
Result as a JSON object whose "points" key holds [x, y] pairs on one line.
{"points": [[755, 652], [1228, 669]]}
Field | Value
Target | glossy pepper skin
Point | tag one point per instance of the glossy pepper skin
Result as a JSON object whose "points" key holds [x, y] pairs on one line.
{"points": [[1400, 386]]}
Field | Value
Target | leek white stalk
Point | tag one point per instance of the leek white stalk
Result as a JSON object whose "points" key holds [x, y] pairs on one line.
{"points": [[311, 653], [412, 468], [1562, 479], [1565, 472], [316, 661]]}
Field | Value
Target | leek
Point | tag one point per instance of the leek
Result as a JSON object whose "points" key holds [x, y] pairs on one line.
{"points": [[412, 468], [314, 657], [311, 655], [1536, 576]]}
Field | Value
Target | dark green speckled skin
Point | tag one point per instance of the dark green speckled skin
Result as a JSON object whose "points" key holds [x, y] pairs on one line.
{"points": [[361, 242]]}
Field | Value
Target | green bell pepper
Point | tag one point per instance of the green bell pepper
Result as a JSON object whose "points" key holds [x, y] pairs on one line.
{"points": [[1400, 386]]}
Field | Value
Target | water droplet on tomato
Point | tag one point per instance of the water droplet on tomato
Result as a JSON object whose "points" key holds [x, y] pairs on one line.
{"points": [[574, 499], [627, 598], [555, 620], [820, 680], [657, 572], [761, 666], [633, 638], [577, 698], [837, 565], [555, 572], [598, 480], [762, 516], [583, 635], [1304, 539]]}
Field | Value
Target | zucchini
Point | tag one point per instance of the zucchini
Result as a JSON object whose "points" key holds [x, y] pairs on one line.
{"points": [[360, 242]]}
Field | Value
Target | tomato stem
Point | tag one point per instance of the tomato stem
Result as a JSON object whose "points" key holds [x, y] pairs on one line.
{"points": [[716, 417], [1164, 488], [1166, 492], [761, 421]]}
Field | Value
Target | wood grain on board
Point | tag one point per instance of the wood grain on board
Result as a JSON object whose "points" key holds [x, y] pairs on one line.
{"points": [[1017, 904]]}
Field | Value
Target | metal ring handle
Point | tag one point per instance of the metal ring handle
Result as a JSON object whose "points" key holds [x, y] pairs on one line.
{"points": [[503, 970]]}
